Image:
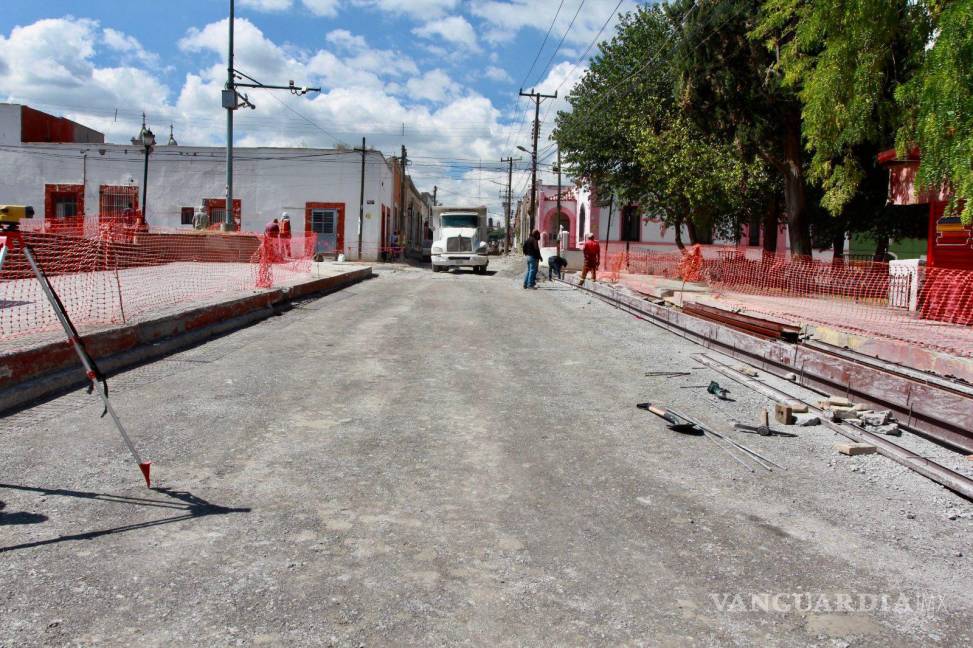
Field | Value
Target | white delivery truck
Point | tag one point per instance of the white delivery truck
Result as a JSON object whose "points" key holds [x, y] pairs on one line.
{"points": [[459, 238]]}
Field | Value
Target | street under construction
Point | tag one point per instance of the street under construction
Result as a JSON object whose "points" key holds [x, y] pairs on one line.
{"points": [[410, 480]]}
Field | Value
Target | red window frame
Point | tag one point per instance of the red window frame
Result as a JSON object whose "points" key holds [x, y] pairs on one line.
{"points": [[212, 204]]}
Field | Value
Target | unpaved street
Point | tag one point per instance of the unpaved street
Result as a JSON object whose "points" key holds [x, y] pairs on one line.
{"points": [[448, 459]]}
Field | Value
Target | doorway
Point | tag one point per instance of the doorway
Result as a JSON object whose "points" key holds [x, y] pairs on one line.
{"points": [[327, 222]]}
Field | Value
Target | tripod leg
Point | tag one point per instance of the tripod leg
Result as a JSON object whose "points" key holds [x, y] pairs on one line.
{"points": [[91, 370]]}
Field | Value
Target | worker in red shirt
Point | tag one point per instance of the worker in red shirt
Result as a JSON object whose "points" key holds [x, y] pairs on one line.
{"points": [[592, 257]]}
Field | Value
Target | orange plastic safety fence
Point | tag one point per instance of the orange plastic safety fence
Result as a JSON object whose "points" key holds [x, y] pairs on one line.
{"points": [[118, 276], [927, 307]]}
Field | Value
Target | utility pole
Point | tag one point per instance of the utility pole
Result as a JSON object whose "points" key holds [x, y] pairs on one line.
{"points": [[361, 200], [536, 96], [230, 102], [401, 218], [435, 190], [233, 100], [509, 200], [557, 226]]}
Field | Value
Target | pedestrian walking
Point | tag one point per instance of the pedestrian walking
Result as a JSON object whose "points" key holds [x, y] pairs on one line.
{"points": [[555, 264], [532, 250], [592, 257]]}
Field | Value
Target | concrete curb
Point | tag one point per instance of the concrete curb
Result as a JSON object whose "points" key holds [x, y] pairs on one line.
{"points": [[42, 371]]}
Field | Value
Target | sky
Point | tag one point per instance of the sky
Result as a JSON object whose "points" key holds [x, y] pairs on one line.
{"points": [[439, 76]]}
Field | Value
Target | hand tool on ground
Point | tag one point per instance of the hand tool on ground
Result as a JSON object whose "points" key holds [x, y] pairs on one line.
{"points": [[98, 381], [762, 430], [679, 424], [715, 389], [676, 423], [667, 374], [759, 458]]}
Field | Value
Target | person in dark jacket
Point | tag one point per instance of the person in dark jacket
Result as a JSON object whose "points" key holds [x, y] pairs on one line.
{"points": [[555, 264], [532, 250]]}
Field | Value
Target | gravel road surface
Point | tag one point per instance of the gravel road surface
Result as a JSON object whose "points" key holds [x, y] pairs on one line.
{"points": [[448, 459]]}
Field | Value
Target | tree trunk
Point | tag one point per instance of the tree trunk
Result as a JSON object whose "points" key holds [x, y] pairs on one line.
{"points": [[679, 243], [838, 244], [770, 222], [795, 200], [881, 249], [691, 230]]}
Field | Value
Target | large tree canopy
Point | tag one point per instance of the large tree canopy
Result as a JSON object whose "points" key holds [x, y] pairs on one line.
{"points": [[693, 103], [627, 133], [939, 104], [845, 59]]}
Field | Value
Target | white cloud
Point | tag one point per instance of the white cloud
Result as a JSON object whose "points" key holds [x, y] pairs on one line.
{"points": [[266, 5], [495, 73], [128, 45], [434, 85], [506, 18], [418, 9], [370, 92], [452, 29], [345, 40], [328, 8]]}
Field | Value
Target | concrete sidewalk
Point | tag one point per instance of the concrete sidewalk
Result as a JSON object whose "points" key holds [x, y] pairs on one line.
{"points": [[34, 369]]}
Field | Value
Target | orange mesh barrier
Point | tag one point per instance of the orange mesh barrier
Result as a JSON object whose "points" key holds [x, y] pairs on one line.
{"points": [[115, 276], [927, 307]]}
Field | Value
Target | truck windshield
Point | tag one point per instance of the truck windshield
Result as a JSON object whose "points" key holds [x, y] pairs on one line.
{"points": [[459, 220]]}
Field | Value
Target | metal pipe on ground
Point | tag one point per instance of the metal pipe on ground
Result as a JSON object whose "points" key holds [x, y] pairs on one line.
{"points": [[925, 467]]}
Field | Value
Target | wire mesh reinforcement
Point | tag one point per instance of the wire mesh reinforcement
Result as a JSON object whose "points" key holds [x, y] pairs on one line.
{"points": [[927, 307], [114, 280]]}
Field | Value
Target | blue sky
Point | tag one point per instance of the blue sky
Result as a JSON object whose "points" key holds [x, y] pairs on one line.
{"points": [[447, 71]]}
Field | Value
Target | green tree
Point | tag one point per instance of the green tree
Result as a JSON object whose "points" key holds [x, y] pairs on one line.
{"points": [[626, 133], [728, 85], [938, 102], [619, 88], [844, 59]]}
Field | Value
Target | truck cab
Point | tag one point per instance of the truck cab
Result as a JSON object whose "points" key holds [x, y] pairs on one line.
{"points": [[459, 239]]}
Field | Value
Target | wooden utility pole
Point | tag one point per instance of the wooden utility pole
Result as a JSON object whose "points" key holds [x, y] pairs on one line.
{"points": [[361, 200], [536, 96], [557, 225], [401, 218], [508, 201]]}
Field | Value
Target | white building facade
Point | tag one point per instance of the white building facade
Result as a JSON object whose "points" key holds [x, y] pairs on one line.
{"points": [[320, 189]]}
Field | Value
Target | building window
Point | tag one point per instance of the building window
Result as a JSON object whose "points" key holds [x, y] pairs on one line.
{"points": [[582, 222], [63, 201], [115, 202], [186, 215], [216, 210], [631, 223]]}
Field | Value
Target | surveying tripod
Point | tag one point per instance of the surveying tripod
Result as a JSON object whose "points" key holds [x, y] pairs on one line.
{"points": [[12, 242]]}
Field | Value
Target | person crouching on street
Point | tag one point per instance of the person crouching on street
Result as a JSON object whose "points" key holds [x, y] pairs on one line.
{"points": [[592, 257], [555, 264], [532, 250]]}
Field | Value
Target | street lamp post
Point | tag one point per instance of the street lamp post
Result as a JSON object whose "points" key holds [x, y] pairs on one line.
{"points": [[147, 139]]}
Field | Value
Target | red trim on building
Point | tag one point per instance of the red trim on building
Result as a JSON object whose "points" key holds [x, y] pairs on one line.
{"points": [[339, 228], [212, 204]]}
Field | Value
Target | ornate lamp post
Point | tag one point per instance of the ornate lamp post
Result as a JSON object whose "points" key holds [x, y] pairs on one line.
{"points": [[147, 139]]}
